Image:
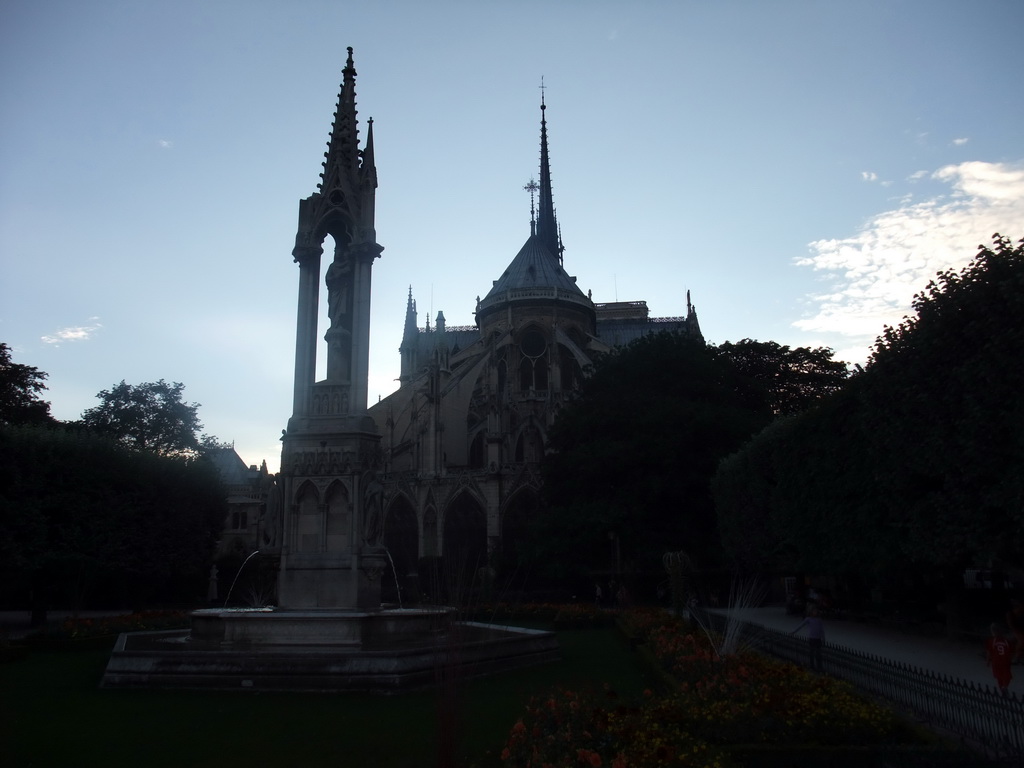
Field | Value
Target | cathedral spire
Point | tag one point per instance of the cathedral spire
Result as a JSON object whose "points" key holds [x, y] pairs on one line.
{"points": [[547, 226], [411, 328], [409, 347]]}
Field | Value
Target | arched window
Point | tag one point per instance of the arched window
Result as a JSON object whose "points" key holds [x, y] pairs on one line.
{"points": [[533, 363], [430, 533], [477, 453], [529, 445], [502, 376]]}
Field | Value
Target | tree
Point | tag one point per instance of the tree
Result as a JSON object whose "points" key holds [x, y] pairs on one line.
{"points": [[943, 396], [628, 472], [793, 379], [148, 417], [20, 386], [81, 514], [916, 465]]}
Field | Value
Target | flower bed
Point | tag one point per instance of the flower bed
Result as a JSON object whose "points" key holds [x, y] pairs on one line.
{"points": [[711, 705], [569, 728], [562, 616]]}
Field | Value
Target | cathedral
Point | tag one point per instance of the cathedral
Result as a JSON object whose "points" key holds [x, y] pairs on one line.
{"points": [[463, 435], [440, 478]]}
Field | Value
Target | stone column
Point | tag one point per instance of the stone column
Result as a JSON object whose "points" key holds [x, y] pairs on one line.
{"points": [[363, 256], [305, 328]]}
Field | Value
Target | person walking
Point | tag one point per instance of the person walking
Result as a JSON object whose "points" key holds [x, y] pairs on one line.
{"points": [[998, 657], [815, 637]]}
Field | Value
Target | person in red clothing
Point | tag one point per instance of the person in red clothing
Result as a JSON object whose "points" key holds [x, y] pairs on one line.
{"points": [[1015, 621], [998, 656]]}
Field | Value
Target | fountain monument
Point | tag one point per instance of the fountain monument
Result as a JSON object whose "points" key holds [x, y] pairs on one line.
{"points": [[326, 514]]}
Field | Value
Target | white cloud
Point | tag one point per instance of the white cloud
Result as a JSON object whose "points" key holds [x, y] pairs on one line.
{"points": [[875, 274], [164, 143], [74, 333], [960, 142], [869, 175], [987, 181]]}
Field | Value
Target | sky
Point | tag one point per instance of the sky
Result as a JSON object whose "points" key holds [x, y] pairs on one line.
{"points": [[802, 167]]}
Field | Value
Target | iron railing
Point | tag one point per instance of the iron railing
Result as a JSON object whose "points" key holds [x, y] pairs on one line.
{"points": [[979, 715]]}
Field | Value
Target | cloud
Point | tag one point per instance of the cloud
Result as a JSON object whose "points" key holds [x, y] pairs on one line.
{"points": [[869, 175], [164, 143], [960, 142], [875, 274], [74, 333]]}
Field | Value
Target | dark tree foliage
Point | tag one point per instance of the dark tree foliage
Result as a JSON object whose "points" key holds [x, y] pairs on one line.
{"points": [[792, 378], [946, 404], [20, 387], [630, 462], [148, 417], [918, 464], [79, 512]]}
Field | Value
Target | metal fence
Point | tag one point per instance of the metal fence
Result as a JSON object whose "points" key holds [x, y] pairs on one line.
{"points": [[979, 715]]}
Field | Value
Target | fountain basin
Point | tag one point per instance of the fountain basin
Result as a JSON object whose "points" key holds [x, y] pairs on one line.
{"points": [[326, 651], [242, 628]]}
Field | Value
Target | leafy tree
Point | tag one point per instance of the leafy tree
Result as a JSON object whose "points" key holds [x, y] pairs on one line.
{"points": [[148, 417], [916, 465], [20, 386], [792, 378], [630, 462], [944, 402], [80, 513]]}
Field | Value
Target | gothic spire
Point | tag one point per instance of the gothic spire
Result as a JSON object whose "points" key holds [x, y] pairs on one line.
{"points": [[343, 205], [368, 169], [342, 155], [547, 226], [411, 329]]}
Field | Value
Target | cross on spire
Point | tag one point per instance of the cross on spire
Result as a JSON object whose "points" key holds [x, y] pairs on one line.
{"points": [[532, 187]]}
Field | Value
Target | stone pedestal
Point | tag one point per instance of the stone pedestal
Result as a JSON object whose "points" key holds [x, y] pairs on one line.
{"points": [[333, 516]]}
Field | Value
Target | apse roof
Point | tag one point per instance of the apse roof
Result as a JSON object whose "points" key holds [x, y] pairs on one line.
{"points": [[534, 267]]}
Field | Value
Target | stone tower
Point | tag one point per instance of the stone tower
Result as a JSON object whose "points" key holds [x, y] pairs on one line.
{"points": [[328, 497]]}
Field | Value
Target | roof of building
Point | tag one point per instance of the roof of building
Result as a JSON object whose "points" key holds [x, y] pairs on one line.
{"points": [[533, 267]]}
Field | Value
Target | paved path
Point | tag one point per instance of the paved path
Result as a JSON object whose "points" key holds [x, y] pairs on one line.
{"points": [[959, 659]]}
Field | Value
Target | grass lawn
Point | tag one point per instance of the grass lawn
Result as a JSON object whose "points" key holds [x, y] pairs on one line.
{"points": [[52, 713]]}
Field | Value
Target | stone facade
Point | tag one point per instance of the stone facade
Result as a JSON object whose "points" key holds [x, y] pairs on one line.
{"points": [[463, 436], [247, 488]]}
